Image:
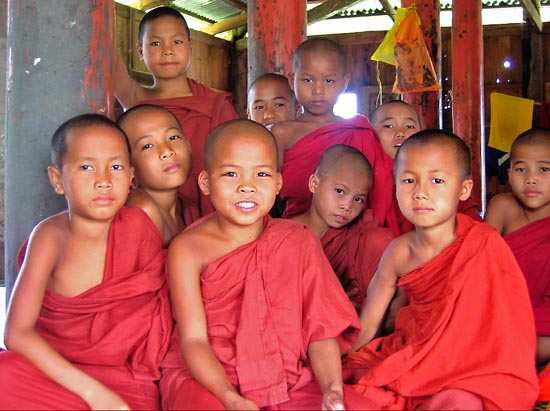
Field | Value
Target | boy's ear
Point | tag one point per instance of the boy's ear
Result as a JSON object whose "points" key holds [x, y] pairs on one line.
{"points": [[466, 189], [55, 179], [279, 182], [203, 183], [313, 183], [291, 79], [140, 50], [347, 78]]}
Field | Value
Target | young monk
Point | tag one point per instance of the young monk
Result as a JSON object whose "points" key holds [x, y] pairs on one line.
{"points": [[351, 236], [467, 339], [523, 218], [320, 76], [271, 100], [394, 122], [161, 157], [165, 47], [261, 318], [89, 318]]}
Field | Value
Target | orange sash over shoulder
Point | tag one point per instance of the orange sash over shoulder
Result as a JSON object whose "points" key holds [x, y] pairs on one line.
{"points": [[469, 326]]}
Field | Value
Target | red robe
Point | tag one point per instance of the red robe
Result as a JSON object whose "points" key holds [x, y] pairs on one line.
{"points": [[531, 247], [118, 331], [198, 115], [302, 158], [265, 302], [469, 326], [354, 252]]}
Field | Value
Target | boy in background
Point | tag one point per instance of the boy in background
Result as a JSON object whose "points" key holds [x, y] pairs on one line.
{"points": [[457, 345], [352, 239], [89, 319], [320, 76], [165, 47]]}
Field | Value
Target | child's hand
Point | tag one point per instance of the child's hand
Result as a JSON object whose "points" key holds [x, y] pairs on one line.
{"points": [[333, 400], [234, 401], [106, 399]]}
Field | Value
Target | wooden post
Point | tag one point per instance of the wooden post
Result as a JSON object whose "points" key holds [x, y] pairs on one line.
{"points": [[467, 86], [58, 66], [275, 29], [428, 104]]}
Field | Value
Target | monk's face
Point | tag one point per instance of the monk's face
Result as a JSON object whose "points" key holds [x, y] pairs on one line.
{"points": [[529, 176], [95, 173], [161, 154], [166, 48], [394, 123], [241, 177], [429, 185], [340, 195], [319, 81], [271, 101]]}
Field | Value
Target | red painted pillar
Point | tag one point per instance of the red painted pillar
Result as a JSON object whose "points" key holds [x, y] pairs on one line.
{"points": [[428, 104], [467, 82], [275, 29]]}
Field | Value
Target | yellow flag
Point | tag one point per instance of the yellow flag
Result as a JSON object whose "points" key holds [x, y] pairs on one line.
{"points": [[510, 116], [384, 52]]}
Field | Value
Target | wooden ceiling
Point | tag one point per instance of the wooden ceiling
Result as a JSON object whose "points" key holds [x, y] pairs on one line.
{"points": [[324, 10]]}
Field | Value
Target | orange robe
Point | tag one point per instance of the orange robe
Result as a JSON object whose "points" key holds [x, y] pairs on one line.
{"points": [[117, 332], [265, 302], [302, 158], [531, 247], [469, 327], [198, 114], [354, 252]]}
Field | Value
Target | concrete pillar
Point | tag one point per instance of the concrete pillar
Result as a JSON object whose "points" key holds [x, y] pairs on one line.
{"points": [[275, 29], [428, 104], [58, 66], [467, 81]]}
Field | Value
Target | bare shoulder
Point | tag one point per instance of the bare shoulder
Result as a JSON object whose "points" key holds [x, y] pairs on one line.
{"points": [[398, 256], [139, 198], [503, 209]]}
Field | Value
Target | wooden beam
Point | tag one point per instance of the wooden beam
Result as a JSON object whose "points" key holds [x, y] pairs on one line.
{"points": [[236, 4], [227, 24], [328, 9], [390, 11], [532, 8]]}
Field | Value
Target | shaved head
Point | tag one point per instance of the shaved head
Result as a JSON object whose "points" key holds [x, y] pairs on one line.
{"points": [[235, 129], [444, 139], [319, 44], [341, 155], [534, 137]]}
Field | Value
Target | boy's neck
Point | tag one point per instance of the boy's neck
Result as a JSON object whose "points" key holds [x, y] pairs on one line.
{"points": [[313, 222], [93, 230], [431, 241], [321, 119], [532, 215], [171, 88]]}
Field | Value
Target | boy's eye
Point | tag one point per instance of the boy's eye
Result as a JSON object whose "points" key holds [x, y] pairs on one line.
{"points": [[407, 181], [263, 174], [178, 41], [544, 169], [520, 169], [155, 43], [437, 180], [174, 137], [339, 190], [308, 80], [410, 127], [359, 200], [117, 167], [259, 107], [147, 146], [279, 105], [230, 174], [388, 126], [329, 81], [86, 167]]}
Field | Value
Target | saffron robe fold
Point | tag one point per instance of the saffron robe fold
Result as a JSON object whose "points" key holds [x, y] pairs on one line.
{"points": [[354, 252], [198, 115], [469, 326], [118, 331], [531, 247], [302, 158], [265, 302]]}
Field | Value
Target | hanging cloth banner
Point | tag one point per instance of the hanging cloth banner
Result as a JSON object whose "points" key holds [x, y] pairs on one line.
{"points": [[510, 116], [414, 69]]}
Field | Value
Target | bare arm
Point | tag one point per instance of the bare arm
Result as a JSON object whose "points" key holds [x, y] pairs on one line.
{"points": [[184, 270], [23, 312], [327, 366], [127, 90], [379, 295], [280, 132]]}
